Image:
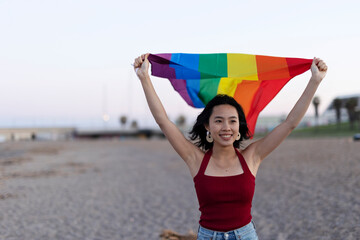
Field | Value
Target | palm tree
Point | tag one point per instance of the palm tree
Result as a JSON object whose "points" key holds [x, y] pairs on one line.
{"points": [[337, 105], [350, 105], [123, 120], [316, 103], [134, 125], [181, 120]]}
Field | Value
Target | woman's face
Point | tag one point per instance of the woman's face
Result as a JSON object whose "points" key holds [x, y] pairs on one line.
{"points": [[224, 124]]}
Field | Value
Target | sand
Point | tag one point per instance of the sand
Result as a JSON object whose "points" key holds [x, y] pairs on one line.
{"points": [[134, 189]]}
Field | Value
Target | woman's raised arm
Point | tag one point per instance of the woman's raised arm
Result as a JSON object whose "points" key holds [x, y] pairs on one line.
{"points": [[187, 151], [266, 145]]}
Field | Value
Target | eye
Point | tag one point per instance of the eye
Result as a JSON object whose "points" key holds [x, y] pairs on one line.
{"points": [[218, 121]]}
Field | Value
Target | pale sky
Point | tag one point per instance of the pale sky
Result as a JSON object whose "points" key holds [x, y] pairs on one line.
{"points": [[66, 62]]}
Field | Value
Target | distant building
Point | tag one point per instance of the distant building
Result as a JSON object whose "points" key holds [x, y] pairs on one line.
{"points": [[26, 134], [329, 115], [266, 124]]}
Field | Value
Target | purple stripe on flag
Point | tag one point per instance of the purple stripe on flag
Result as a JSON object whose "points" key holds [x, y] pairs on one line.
{"points": [[166, 56], [160, 66], [180, 86]]}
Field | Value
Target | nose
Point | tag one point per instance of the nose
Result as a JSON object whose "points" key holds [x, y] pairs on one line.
{"points": [[226, 126]]}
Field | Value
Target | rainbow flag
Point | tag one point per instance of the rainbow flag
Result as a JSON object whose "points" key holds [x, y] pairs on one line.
{"points": [[253, 80]]}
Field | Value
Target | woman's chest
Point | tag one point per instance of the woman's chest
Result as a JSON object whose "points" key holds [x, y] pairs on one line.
{"points": [[225, 189]]}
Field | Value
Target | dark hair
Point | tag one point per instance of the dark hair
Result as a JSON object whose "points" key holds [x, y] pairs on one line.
{"points": [[198, 132]]}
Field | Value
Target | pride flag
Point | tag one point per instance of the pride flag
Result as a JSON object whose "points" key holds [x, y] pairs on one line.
{"points": [[253, 80]]}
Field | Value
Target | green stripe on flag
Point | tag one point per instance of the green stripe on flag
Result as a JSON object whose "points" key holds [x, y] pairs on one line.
{"points": [[213, 65], [208, 89]]}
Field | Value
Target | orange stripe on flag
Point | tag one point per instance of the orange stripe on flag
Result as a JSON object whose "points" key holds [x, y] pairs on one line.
{"points": [[272, 68], [244, 94]]}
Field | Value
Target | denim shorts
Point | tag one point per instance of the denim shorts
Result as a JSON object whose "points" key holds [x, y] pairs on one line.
{"points": [[247, 232]]}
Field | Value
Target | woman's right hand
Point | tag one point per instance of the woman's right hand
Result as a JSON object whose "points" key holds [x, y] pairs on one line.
{"points": [[141, 66]]}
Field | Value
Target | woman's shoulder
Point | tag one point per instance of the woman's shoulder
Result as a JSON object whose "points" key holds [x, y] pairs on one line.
{"points": [[195, 163], [248, 145], [200, 153], [243, 152]]}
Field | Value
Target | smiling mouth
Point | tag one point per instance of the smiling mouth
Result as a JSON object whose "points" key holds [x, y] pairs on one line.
{"points": [[226, 136]]}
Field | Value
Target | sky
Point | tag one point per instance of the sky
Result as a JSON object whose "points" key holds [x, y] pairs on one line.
{"points": [[69, 62]]}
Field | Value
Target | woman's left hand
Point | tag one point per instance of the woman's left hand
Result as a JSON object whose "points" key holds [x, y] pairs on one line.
{"points": [[318, 69], [141, 66]]}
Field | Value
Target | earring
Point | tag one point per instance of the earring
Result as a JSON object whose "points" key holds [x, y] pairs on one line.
{"points": [[209, 137], [238, 136]]}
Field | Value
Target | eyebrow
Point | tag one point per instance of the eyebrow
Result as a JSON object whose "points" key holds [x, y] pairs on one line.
{"points": [[223, 117]]}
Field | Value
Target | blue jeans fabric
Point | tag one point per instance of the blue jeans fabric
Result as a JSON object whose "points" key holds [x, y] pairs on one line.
{"points": [[247, 232]]}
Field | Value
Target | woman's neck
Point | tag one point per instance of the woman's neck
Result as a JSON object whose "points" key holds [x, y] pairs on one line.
{"points": [[223, 153]]}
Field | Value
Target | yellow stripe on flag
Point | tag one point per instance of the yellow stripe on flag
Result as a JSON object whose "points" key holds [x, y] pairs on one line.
{"points": [[242, 66], [228, 86]]}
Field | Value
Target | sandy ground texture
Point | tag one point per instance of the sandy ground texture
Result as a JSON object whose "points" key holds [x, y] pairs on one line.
{"points": [[134, 189]]}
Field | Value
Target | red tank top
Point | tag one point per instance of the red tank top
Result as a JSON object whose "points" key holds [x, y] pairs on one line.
{"points": [[225, 202]]}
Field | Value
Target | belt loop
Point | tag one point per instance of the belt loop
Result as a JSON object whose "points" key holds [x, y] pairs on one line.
{"points": [[237, 235], [253, 224], [214, 236]]}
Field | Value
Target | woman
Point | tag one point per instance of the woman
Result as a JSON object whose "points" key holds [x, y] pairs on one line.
{"points": [[224, 175]]}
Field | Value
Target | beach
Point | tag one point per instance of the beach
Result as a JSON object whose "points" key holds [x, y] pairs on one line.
{"points": [[134, 189]]}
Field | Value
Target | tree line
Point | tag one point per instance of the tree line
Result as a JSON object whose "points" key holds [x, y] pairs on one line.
{"points": [[352, 108]]}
